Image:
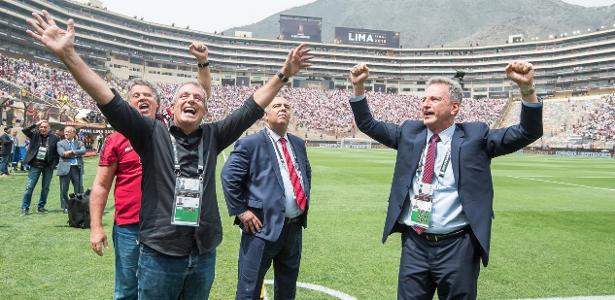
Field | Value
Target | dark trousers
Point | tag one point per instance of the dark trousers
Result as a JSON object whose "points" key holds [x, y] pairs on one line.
{"points": [[5, 160], [74, 177], [450, 266], [256, 255]]}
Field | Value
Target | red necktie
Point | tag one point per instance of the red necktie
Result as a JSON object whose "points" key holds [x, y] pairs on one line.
{"points": [[430, 161], [300, 197]]}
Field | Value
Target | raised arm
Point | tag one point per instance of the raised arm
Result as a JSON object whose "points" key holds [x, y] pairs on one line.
{"points": [[28, 131], [62, 44], [201, 53], [296, 60], [230, 128], [510, 139], [522, 73], [385, 133]]}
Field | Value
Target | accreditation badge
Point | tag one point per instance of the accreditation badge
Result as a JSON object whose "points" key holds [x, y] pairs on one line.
{"points": [[420, 215], [187, 206], [42, 151]]}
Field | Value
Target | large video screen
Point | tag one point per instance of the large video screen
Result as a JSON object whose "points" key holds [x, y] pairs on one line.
{"points": [[298, 28]]}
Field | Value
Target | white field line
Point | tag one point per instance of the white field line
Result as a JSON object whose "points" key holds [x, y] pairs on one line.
{"points": [[564, 183], [319, 288]]}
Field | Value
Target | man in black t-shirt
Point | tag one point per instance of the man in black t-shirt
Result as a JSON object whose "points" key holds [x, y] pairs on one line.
{"points": [[177, 249]]}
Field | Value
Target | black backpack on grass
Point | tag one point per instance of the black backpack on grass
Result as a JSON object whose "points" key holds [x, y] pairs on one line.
{"points": [[79, 210]]}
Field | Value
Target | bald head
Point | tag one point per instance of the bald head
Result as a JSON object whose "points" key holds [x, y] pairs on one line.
{"points": [[277, 115]]}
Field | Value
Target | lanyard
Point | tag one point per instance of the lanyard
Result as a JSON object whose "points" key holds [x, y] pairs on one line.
{"points": [[445, 163], [177, 167], [46, 141], [280, 156]]}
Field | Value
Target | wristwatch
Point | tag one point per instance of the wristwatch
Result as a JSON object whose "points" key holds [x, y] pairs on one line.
{"points": [[283, 77], [203, 65]]}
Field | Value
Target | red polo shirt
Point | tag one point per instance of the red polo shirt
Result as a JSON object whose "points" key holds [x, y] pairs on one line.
{"points": [[127, 193]]}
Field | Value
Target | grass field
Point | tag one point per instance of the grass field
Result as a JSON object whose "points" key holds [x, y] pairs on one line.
{"points": [[553, 233]]}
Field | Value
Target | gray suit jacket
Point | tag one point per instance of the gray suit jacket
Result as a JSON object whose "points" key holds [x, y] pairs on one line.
{"points": [[64, 164]]}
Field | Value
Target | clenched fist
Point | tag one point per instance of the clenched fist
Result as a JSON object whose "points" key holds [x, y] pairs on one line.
{"points": [[358, 74], [521, 72], [200, 51]]}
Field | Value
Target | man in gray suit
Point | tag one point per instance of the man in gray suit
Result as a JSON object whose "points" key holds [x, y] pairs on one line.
{"points": [[70, 168]]}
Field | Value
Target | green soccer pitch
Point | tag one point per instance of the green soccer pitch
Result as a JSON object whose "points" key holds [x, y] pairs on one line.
{"points": [[553, 233]]}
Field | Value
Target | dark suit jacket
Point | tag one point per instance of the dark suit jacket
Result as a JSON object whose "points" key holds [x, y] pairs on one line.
{"points": [[472, 148], [7, 144], [64, 164], [251, 180], [35, 142]]}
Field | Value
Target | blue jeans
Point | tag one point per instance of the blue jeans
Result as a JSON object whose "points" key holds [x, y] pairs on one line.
{"points": [[33, 174], [125, 242], [4, 164], [168, 277]]}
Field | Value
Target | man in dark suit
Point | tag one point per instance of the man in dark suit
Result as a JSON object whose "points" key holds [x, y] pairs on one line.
{"points": [[7, 148], [42, 156], [70, 167], [442, 194], [266, 183]]}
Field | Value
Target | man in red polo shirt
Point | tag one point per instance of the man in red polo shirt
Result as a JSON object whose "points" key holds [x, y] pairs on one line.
{"points": [[119, 160]]}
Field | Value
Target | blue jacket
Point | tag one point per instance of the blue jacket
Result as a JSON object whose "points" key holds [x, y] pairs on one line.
{"points": [[472, 148], [251, 180]]}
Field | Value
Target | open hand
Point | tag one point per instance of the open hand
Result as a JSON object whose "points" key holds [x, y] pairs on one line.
{"points": [[297, 59], [44, 29]]}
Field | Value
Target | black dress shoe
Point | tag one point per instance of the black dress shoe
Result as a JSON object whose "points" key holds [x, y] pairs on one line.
{"points": [[42, 210], [24, 212]]}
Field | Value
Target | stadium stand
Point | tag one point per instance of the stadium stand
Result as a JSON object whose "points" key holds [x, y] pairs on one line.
{"points": [[129, 47], [122, 48]]}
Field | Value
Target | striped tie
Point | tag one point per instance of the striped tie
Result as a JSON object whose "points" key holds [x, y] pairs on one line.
{"points": [[430, 161], [300, 197]]}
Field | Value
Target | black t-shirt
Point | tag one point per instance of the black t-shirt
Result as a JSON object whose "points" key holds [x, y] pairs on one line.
{"points": [[151, 139], [41, 163]]}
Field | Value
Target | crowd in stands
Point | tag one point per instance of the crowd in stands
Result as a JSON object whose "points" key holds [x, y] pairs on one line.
{"points": [[44, 81], [599, 124], [315, 110]]}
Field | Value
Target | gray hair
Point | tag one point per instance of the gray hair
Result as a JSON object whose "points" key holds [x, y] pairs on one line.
{"points": [[194, 83], [138, 81], [455, 92]]}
